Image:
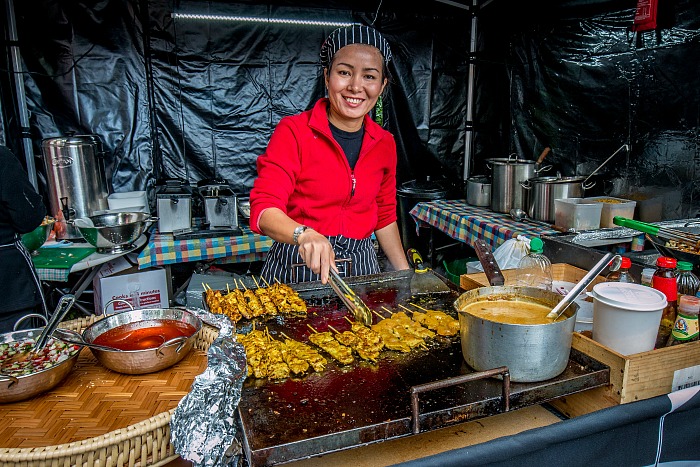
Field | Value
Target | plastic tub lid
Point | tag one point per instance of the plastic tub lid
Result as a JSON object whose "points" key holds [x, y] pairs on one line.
{"points": [[634, 297]]}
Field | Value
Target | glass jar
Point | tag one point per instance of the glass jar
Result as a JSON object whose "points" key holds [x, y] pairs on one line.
{"points": [[622, 274], [647, 274], [686, 328], [664, 280]]}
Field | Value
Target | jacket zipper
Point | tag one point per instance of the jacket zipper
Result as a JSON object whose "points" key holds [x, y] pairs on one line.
{"points": [[354, 183]]}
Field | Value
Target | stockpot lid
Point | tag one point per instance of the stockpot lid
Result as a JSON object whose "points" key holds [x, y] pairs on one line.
{"points": [[507, 161], [552, 179], [629, 296], [426, 188]]}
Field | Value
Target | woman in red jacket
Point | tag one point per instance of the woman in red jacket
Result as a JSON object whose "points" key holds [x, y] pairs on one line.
{"points": [[327, 179]]}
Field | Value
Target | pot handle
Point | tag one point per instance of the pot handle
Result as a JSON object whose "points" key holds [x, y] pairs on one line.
{"points": [[587, 186], [179, 341], [111, 302], [543, 169], [526, 184], [461, 379]]}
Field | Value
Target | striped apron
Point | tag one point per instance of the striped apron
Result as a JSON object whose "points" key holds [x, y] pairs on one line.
{"points": [[353, 258]]}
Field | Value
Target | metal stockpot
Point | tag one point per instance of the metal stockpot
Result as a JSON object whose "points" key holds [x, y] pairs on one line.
{"points": [[479, 190], [507, 174], [532, 353], [542, 191], [76, 178]]}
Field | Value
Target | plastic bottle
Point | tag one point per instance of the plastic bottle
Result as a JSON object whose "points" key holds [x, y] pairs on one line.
{"points": [[647, 273], [622, 274], [664, 280], [535, 269], [688, 283], [686, 328]]}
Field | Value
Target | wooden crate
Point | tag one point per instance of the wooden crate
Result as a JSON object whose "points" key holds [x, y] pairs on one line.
{"points": [[560, 272], [632, 377]]}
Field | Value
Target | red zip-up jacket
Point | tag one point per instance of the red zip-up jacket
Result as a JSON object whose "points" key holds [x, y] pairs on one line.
{"points": [[305, 173]]}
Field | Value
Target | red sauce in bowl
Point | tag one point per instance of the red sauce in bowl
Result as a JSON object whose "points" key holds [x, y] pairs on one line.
{"points": [[142, 335]]}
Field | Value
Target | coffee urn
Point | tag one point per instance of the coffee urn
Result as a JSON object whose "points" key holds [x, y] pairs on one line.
{"points": [[76, 180]]}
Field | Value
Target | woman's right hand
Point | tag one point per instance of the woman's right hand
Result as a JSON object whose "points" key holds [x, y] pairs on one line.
{"points": [[317, 252]]}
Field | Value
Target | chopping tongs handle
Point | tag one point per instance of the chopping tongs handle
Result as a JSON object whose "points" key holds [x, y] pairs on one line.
{"points": [[356, 306]]}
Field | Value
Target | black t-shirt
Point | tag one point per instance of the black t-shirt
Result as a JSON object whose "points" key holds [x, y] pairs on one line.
{"points": [[351, 142]]}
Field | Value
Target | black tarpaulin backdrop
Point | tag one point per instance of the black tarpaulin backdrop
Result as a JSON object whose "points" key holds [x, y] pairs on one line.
{"points": [[176, 98]]}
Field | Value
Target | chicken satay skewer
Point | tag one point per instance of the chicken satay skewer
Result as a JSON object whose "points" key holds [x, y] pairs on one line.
{"points": [[335, 349], [368, 335], [306, 353], [449, 326], [353, 341], [263, 295], [391, 340], [402, 327]]}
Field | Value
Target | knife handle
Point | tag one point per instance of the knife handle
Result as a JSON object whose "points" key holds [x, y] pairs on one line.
{"points": [[415, 258], [488, 262]]}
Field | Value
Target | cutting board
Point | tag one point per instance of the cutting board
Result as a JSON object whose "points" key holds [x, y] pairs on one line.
{"points": [[60, 258]]}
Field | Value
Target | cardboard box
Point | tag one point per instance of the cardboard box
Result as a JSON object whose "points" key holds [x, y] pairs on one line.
{"points": [[143, 289], [632, 377]]}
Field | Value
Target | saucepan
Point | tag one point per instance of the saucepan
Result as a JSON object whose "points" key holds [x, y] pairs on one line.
{"points": [[532, 352], [145, 340]]}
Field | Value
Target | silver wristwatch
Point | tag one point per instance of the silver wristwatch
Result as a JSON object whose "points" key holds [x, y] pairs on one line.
{"points": [[298, 231]]}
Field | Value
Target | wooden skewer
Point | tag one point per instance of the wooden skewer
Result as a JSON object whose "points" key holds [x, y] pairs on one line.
{"points": [[266, 283], [311, 327], [334, 329], [228, 290], [420, 307], [285, 336], [382, 317], [405, 308], [350, 321], [256, 282], [387, 310]]}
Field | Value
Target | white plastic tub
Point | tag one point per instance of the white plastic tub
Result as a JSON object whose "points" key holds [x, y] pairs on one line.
{"points": [[613, 207], [577, 213], [128, 201], [626, 316]]}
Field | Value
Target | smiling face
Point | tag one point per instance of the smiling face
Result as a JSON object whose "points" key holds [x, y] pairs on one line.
{"points": [[355, 80]]}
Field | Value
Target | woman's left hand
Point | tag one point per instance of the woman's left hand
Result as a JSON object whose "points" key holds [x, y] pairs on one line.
{"points": [[317, 252]]}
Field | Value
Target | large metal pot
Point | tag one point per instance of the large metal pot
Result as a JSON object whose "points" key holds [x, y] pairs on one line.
{"points": [[542, 191], [479, 190], [531, 352], [136, 362], [507, 174], [13, 389]]}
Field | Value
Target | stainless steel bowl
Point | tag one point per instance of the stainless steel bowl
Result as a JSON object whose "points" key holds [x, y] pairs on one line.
{"points": [[14, 389], [114, 232], [136, 362]]}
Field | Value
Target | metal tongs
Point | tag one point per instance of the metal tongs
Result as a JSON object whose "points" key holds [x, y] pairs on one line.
{"points": [[351, 300]]}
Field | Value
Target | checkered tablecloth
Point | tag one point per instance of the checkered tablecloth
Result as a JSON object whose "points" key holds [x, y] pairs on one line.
{"points": [[468, 223], [163, 249]]}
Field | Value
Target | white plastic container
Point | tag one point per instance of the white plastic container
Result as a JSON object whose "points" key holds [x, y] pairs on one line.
{"points": [[626, 316], [613, 207], [577, 213], [128, 201]]}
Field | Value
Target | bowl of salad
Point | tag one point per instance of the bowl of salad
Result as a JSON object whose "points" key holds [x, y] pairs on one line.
{"points": [[38, 373]]}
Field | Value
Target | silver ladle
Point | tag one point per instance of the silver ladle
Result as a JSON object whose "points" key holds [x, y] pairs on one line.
{"points": [[609, 259]]}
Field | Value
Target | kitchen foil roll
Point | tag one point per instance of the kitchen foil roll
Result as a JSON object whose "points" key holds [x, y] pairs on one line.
{"points": [[203, 425]]}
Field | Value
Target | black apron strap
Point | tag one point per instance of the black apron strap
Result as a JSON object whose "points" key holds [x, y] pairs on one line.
{"points": [[28, 258]]}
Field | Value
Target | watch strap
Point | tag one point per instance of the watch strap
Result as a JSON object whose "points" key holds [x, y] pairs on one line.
{"points": [[297, 232]]}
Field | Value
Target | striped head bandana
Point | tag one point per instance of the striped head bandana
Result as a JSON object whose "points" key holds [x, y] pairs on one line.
{"points": [[355, 34]]}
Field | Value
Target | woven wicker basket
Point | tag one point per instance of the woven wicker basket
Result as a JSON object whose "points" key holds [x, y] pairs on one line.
{"points": [[142, 443]]}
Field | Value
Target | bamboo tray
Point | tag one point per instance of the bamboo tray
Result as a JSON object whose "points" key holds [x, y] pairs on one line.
{"points": [[99, 417]]}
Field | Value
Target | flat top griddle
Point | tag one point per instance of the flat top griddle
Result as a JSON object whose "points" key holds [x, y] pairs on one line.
{"points": [[363, 403]]}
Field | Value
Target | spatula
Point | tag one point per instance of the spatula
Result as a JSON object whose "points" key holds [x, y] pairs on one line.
{"points": [[424, 281]]}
